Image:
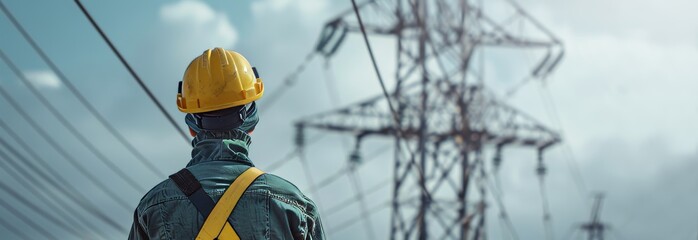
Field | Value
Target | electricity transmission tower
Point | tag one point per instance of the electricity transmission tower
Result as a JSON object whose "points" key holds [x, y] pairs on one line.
{"points": [[595, 228], [444, 115]]}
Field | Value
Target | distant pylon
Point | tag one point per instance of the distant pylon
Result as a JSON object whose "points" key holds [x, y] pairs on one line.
{"points": [[595, 228], [444, 115]]}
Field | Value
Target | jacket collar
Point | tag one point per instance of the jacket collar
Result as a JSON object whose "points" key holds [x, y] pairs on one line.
{"points": [[220, 146]]}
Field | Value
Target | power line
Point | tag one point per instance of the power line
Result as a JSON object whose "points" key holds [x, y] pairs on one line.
{"points": [[81, 98], [330, 82], [288, 81], [334, 177], [72, 129], [43, 194], [13, 229], [35, 226], [309, 176], [547, 218], [375, 66], [281, 162], [314, 187], [503, 226], [395, 117], [133, 73], [40, 211], [54, 144], [33, 189], [571, 232], [289, 156], [572, 162], [362, 204], [346, 203], [352, 221], [66, 189], [502, 208]]}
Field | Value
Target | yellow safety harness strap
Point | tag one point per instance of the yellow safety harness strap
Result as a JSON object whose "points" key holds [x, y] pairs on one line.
{"points": [[216, 226]]}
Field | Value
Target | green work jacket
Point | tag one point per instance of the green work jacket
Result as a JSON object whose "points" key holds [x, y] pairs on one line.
{"points": [[271, 208]]}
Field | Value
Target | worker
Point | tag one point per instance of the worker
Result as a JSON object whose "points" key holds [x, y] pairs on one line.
{"points": [[220, 194]]}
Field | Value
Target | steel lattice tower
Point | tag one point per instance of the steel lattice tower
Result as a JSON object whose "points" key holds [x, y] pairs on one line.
{"points": [[595, 228], [446, 115]]}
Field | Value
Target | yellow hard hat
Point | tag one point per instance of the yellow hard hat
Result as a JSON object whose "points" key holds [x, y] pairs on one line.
{"points": [[218, 79]]}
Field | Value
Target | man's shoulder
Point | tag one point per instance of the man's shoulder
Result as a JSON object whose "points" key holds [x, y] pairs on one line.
{"points": [[164, 191], [283, 190], [280, 185]]}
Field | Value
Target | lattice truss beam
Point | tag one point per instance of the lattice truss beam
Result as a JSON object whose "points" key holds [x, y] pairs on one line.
{"points": [[491, 121], [445, 114]]}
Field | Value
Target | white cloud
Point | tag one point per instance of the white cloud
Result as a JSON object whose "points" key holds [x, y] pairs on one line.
{"points": [[44, 79], [640, 88], [306, 8], [260, 6], [666, 22], [197, 23]]}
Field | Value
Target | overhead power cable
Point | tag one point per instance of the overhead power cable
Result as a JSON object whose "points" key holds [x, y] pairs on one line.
{"points": [[570, 233], [330, 82], [363, 207], [133, 74], [72, 129], [51, 203], [352, 221], [375, 66], [44, 194], [40, 211], [13, 229], [393, 111], [347, 202], [572, 162], [81, 98], [34, 226], [56, 180], [309, 176], [547, 218], [288, 81], [281, 162], [502, 208], [64, 153], [289, 156], [334, 177]]}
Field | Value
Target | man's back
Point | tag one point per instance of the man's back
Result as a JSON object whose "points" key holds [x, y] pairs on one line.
{"points": [[271, 208]]}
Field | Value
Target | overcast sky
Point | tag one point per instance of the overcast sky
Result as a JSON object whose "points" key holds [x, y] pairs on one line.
{"points": [[625, 96]]}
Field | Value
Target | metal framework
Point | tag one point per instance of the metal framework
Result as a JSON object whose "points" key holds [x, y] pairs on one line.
{"points": [[445, 114], [595, 229]]}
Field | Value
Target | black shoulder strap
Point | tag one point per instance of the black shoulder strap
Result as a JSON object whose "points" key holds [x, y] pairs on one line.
{"points": [[191, 187]]}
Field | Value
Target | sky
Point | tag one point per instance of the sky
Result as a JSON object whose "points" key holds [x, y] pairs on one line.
{"points": [[623, 98]]}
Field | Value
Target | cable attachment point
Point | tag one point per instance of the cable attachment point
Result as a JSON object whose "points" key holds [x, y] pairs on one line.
{"points": [[300, 136], [355, 158], [541, 170], [331, 38], [497, 159]]}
